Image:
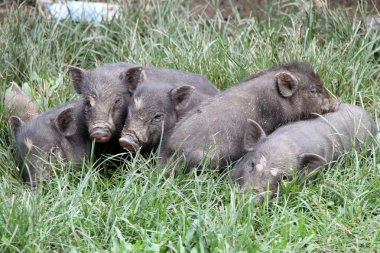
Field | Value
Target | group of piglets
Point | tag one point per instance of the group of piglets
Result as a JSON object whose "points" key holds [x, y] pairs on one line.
{"points": [[186, 118]]}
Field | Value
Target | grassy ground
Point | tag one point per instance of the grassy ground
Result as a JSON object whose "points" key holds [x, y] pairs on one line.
{"points": [[135, 208]]}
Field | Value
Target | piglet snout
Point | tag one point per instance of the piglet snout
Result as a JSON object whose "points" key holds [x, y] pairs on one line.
{"points": [[100, 134], [330, 105], [129, 142]]}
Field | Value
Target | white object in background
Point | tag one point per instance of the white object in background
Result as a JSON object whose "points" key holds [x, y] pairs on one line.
{"points": [[373, 21], [82, 11]]}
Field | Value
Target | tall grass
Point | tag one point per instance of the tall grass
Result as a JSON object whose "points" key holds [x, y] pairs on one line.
{"points": [[135, 208]]}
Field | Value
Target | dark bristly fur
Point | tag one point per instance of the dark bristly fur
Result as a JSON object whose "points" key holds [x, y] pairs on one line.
{"points": [[302, 147], [156, 106], [271, 97], [58, 131]]}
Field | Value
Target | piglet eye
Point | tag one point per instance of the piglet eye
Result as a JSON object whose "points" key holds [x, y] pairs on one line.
{"points": [[313, 90], [250, 169], [118, 101], [158, 116], [87, 103]]}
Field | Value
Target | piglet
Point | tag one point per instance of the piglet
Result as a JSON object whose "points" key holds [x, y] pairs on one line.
{"points": [[272, 97], [300, 147], [156, 106], [59, 131]]}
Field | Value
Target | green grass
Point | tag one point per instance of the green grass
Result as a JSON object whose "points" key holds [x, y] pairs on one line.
{"points": [[136, 208]]}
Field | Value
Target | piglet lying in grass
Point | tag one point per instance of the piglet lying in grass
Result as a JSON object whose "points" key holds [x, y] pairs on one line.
{"points": [[272, 97], [156, 106], [107, 90], [302, 146], [58, 131]]}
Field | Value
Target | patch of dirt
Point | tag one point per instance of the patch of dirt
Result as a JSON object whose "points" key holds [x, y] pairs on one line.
{"points": [[245, 8], [257, 8]]}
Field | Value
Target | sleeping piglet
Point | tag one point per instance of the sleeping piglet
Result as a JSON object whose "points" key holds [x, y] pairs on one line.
{"points": [[302, 146]]}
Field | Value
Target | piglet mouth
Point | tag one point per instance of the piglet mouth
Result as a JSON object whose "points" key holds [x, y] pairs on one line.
{"points": [[100, 134], [129, 142]]}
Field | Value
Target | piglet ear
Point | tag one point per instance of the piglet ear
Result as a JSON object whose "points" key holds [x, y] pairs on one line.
{"points": [[77, 75], [253, 134], [133, 77], [18, 102], [286, 83], [16, 89], [181, 96], [15, 122], [65, 122], [310, 161]]}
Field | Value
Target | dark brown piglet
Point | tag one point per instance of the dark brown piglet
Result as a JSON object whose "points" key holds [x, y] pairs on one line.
{"points": [[106, 95], [156, 106], [59, 131], [271, 97], [300, 147]]}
